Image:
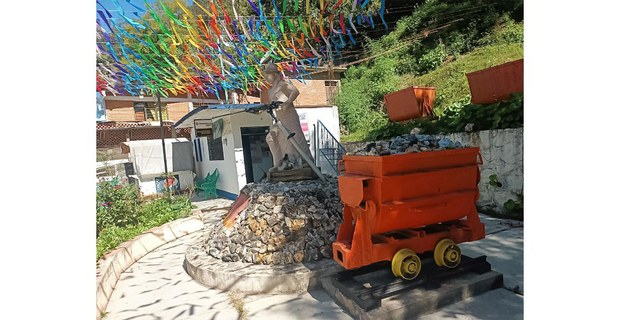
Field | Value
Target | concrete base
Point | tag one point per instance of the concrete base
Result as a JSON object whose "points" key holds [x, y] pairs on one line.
{"points": [[414, 303], [253, 278]]}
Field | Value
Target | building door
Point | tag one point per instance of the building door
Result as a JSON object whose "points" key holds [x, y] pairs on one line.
{"points": [[256, 154]]}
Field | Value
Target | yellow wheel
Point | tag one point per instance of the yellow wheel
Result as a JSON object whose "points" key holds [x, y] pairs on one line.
{"points": [[406, 264], [447, 254]]}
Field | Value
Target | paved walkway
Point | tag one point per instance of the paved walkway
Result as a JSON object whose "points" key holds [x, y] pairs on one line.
{"points": [[157, 287]]}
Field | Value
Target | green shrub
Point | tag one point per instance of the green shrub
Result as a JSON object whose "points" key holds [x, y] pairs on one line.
{"points": [[109, 238], [160, 211], [506, 32], [117, 204], [432, 59], [500, 115], [361, 98], [514, 206], [129, 218]]}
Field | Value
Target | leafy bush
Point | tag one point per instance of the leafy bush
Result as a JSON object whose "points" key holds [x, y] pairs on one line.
{"points": [[514, 207], [361, 98], [500, 115], [506, 32], [109, 238], [160, 211], [432, 59], [117, 204], [121, 215]]}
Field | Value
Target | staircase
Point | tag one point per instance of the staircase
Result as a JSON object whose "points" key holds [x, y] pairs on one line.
{"points": [[329, 150]]}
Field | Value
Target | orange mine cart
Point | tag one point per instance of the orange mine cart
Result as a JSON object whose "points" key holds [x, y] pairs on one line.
{"points": [[399, 206]]}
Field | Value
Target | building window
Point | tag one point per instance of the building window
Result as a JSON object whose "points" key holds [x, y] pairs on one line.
{"points": [[209, 129], [331, 88], [148, 111], [216, 150]]}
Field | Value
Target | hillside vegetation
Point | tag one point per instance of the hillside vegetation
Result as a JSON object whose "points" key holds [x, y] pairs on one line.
{"points": [[486, 35]]}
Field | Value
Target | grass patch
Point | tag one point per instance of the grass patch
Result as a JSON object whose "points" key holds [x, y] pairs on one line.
{"points": [[122, 215], [359, 135], [450, 79], [452, 89], [237, 302]]}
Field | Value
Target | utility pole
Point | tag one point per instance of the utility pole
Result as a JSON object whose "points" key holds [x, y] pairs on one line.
{"points": [[163, 143]]}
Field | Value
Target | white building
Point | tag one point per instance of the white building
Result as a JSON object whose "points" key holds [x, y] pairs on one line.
{"points": [[233, 141], [147, 158]]}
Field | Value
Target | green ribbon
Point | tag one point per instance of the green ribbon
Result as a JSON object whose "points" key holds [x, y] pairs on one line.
{"points": [[291, 26], [303, 27]]}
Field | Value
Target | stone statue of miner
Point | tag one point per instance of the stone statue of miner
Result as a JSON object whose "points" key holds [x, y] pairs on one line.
{"points": [[285, 156]]}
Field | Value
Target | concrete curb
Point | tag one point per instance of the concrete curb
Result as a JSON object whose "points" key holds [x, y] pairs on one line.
{"points": [[113, 264], [253, 278]]}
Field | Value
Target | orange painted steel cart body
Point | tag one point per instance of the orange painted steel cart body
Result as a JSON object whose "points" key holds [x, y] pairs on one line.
{"points": [[409, 201]]}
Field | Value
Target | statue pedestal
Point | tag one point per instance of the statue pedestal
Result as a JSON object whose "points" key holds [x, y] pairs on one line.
{"points": [[291, 175]]}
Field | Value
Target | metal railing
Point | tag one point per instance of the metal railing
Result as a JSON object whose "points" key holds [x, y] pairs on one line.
{"points": [[328, 147]]}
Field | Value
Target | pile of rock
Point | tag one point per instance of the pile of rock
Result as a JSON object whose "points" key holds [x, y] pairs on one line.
{"points": [[406, 144], [284, 223]]}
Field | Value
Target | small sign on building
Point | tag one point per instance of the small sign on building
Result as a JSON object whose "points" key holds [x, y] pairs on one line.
{"points": [[172, 182], [303, 121]]}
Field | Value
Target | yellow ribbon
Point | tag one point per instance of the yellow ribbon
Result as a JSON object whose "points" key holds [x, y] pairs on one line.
{"points": [[205, 10], [185, 9]]}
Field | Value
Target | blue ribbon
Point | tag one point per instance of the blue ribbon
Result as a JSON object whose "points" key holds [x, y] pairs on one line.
{"points": [[382, 14], [351, 37]]}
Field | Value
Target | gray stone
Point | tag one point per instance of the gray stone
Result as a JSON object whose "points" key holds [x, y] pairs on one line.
{"points": [[326, 252], [271, 220], [247, 258], [215, 252], [294, 209]]}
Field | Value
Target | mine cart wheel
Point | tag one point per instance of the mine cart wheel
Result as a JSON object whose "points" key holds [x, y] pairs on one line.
{"points": [[406, 264], [447, 254]]}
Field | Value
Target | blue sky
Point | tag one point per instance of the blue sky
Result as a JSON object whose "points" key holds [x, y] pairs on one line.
{"points": [[111, 6]]}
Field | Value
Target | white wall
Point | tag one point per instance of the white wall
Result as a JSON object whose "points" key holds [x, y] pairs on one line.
{"points": [[147, 184], [245, 120], [232, 168], [329, 117], [227, 180]]}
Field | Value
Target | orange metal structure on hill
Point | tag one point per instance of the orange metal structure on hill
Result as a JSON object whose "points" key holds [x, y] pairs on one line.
{"points": [[410, 103]]}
